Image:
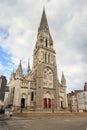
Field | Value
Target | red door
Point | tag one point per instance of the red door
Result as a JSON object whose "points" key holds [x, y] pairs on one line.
{"points": [[45, 102], [49, 103]]}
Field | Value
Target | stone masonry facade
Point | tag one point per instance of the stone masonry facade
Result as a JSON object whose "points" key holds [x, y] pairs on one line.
{"points": [[39, 89]]}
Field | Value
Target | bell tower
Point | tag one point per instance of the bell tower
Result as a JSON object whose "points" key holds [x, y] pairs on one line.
{"points": [[44, 45], [45, 69]]}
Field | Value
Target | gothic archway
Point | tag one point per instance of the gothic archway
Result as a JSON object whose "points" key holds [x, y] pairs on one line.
{"points": [[22, 102], [48, 100], [47, 103]]}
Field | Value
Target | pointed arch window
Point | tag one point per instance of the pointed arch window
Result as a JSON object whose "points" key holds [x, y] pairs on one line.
{"points": [[45, 57], [49, 58], [41, 40], [46, 43], [32, 96]]}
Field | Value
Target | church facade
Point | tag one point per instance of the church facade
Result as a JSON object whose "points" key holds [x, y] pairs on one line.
{"points": [[39, 89]]}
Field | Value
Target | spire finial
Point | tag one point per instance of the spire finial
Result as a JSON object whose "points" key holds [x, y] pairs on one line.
{"points": [[43, 23]]}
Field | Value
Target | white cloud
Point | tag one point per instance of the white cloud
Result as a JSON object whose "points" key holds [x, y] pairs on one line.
{"points": [[68, 25]]}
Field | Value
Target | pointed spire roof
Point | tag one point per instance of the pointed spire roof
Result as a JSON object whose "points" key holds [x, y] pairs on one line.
{"points": [[43, 23], [19, 70]]}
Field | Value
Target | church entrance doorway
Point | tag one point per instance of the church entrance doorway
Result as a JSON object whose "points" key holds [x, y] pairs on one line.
{"points": [[61, 104], [47, 103], [23, 103]]}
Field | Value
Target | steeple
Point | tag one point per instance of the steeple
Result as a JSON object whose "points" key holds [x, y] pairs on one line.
{"points": [[44, 37], [44, 44], [63, 80], [19, 70], [43, 23]]}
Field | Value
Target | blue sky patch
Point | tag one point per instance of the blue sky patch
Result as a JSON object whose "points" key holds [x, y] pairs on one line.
{"points": [[5, 58], [4, 34]]}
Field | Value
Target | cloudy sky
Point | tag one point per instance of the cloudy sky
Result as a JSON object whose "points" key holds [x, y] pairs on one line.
{"points": [[67, 19]]}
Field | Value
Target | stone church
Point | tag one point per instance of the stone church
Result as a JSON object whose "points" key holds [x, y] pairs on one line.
{"points": [[39, 89]]}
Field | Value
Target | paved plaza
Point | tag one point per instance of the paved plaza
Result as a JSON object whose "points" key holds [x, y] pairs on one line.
{"points": [[45, 123]]}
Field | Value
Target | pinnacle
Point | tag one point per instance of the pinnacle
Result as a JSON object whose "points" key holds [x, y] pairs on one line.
{"points": [[63, 80], [28, 69], [19, 68], [63, 77]]}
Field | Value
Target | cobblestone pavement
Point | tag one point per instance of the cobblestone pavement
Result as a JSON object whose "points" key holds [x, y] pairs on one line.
{"points": [[55, 123]]}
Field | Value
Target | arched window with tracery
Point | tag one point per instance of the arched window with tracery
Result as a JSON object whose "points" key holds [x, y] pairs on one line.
{"points": [[48, 78]]}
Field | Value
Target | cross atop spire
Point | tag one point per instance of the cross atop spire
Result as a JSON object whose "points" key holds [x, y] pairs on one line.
{"points": [[43, 23]]}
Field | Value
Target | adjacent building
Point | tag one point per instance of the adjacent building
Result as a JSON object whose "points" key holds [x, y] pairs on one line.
{"points": [[77, 100], [3, 82], [39, 89], [6, 98], [82, 101]]}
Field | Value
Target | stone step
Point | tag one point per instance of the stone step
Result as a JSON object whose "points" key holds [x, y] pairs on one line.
{"points": [[49, 114]]}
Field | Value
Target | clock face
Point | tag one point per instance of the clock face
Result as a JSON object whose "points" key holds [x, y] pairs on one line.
{"points": [[48, 78]]}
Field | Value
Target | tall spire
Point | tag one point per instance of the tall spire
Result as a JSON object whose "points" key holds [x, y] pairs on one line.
{"points": [[43, 23]]}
